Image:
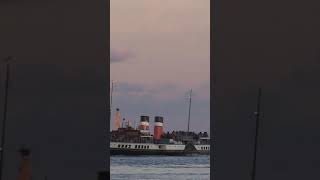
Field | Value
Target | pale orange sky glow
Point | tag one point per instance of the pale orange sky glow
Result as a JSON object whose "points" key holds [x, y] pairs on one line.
{"points": [[161, 47]]}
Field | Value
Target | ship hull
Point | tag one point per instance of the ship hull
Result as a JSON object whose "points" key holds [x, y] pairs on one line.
{"points": [[135, 149], [114, 152]]}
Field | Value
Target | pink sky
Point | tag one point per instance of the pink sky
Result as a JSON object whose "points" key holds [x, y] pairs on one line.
{"points": [[162, 47]]}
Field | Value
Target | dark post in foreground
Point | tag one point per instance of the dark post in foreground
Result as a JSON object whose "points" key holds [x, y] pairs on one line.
{"points": [[257, 113], [25, 166], [4, 120]]}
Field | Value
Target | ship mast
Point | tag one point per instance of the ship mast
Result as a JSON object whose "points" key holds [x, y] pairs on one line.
{"points": [[189, 109], [111, 94], [111, 97]]}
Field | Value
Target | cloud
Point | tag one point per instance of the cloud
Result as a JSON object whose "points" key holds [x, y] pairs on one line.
{"points": [[120, 55], [161, 91], [138, 99]]}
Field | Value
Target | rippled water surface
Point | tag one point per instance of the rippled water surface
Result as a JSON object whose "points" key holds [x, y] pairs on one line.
{"points": [[160, 167]]}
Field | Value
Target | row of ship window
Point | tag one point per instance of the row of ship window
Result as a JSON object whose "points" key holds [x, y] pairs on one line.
{"points": [[136, 146], [205, 148]]}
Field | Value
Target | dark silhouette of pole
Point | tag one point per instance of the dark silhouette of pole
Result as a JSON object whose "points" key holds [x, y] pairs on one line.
{"points": [[189, 110], [257, 113], [3, 136]]}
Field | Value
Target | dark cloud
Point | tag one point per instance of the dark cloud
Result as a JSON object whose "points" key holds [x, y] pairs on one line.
{"points": [[118, 56], [127, 88]]}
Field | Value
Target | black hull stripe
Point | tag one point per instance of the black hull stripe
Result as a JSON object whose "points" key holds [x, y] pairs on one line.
{"points": [[155, 152]]}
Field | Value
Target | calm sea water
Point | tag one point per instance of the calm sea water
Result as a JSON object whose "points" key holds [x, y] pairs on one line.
{"points": [[160, 167]]}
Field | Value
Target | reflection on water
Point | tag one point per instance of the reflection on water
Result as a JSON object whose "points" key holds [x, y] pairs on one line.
{"points": [[160, 167]]}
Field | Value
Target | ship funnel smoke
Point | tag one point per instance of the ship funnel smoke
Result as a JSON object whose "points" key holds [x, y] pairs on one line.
{"points": [[144, 123], [117, 120], [158, 127]]}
